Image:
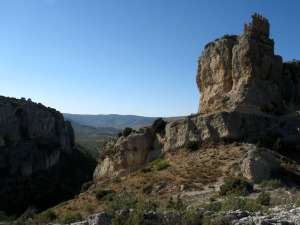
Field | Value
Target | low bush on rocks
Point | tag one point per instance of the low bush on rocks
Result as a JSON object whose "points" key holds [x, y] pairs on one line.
{"points": [[130, 209], [270, 184], [236, 186], [86, 186], [264, 198], [72, 218], [146, 170], [158, 125], [105, 194], [191, 145], [127, 131], [161, 166]]}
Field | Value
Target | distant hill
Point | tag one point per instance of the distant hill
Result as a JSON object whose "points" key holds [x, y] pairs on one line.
{"points": [[113, 120], [90, 139]]}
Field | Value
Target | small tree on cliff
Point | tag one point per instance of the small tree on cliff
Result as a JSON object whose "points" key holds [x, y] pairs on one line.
{"points": [[127, 131], [158, 125]]}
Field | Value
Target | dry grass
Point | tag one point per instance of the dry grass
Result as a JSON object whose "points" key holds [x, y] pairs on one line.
{"points": [[191, 174]]}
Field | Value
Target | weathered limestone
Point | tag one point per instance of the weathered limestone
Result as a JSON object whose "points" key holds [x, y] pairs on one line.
{"points": [[242, 73]]}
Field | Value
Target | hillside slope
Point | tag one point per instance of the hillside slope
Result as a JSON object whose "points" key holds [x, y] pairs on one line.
{"points": [[113, 120], [89, 139]]}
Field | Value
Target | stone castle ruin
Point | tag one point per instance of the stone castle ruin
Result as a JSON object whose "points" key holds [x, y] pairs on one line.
{"points": [[259, 25]]}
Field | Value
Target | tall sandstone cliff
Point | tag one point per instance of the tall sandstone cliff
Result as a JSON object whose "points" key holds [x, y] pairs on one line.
{"points": [[37, 150], [247, 95]]}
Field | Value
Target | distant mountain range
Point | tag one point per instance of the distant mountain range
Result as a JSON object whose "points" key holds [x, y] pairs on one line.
{"points": [[113, 120]]}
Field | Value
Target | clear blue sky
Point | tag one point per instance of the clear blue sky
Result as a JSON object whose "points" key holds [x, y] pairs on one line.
{"points": [[124, 56]]}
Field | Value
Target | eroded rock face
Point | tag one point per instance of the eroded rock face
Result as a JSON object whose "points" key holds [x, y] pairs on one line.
{"points": [[39, 164], [124, 155], [31, 137], [243, 73]]}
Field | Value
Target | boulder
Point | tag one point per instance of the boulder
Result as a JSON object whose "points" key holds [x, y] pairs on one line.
{"points": [[258, 164]]}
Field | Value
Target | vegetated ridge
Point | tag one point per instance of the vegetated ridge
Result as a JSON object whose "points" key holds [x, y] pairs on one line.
{"points": [[113, 120]]}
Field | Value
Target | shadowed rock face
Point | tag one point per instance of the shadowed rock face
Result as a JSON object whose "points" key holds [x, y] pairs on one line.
{"points": [[37, 157], [242, 73], [31, 137]]}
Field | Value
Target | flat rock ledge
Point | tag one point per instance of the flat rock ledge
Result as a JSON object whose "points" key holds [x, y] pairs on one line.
{"points": [[279, 215]]}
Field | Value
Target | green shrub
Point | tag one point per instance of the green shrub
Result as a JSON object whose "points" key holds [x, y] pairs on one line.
{"points": [[191, 145], [147, 189], [210, 44], [146, 170], [191, 217], [270, 183], [208, 219], [236, 186], [228, 36], [28, 214], [46, 217], [90, 208], [136, 215], [6, 218], [3, 216], [101, 194], [86, 186], [177, 206], [127, 131], [158, 125], [126, 201], [225, 99], [277, 145], [161, 166], [109, 197], [235, 203], [264, 198], [214, 206], [72, 218]]}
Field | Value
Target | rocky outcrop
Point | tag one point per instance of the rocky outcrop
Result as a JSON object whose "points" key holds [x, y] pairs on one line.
{"points": [[243, 73], [247, 94], [262, 160], [276, 215], [126, 154], [32, 137], [37, 157]]}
